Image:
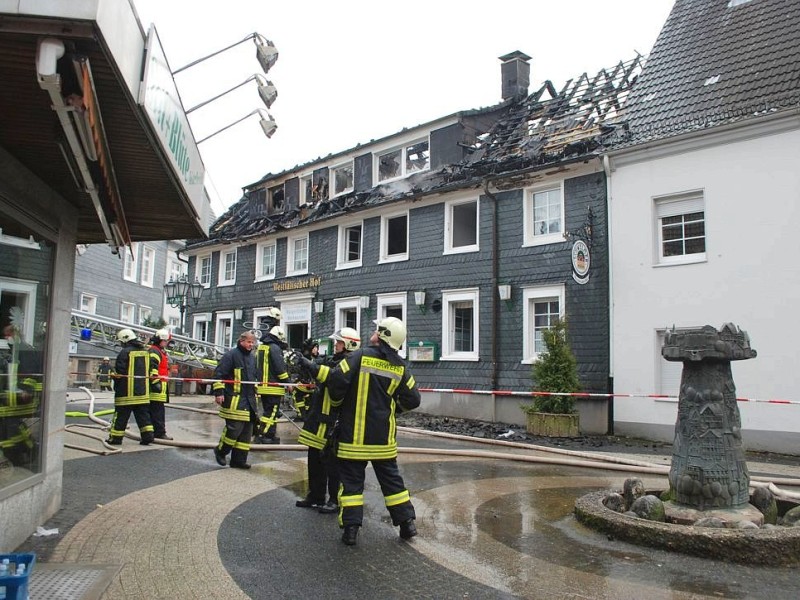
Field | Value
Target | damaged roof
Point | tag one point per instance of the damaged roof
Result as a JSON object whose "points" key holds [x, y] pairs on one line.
{"points": [[548, 127], [717, 62]]}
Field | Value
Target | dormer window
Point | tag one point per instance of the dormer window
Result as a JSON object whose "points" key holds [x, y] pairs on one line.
{"points": [[404, 161], [342, 178], [275, 199], [306, 189]]}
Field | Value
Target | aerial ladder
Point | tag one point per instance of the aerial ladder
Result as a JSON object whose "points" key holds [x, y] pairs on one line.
{"points": [[101, 332]]}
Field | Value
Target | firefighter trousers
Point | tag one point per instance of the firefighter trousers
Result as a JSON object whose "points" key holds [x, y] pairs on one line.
{"points": [[322, 474], [141, 412], [351, 491], [235, 439]]}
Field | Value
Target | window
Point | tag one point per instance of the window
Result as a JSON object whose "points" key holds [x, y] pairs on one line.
{"points": [[668, 372], [542, 306], [297, 256], [347, 314], [275, 200], [127, 312], [461, 226], [350, 240], [404, 161], [543, 214], [342, 178], [200, 329], [129, 262], [88, 303], [176, 269], [393, 305], [148, 266], [266, 257], [224, 330], [145, 312], [204, 268], [394, 238], [174, 324], [680, 228], [460, 324], [306, 190], [227, 267]]}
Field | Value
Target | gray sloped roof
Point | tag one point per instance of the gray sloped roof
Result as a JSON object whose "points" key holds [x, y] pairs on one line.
{"points": [[714, 64]]}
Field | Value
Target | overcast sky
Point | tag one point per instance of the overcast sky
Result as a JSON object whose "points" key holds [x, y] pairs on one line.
{"points": [[353, 71]]}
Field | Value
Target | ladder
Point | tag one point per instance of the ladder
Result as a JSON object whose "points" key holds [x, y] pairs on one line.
{"points": [[102, 332]]}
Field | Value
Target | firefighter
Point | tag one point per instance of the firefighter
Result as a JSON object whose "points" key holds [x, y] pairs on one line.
{"points": [[271, 369], [369, 387], [234, 392], [131, 389], [318, 429], [104, 371], [159, 382], [301, 395]]}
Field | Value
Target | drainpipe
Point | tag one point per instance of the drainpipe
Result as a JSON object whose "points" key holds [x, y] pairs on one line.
{"points": [[609, 245], [495, 269]]}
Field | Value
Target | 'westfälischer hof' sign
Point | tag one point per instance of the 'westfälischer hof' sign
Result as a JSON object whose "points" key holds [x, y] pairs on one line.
{"points": [[581, 260]]}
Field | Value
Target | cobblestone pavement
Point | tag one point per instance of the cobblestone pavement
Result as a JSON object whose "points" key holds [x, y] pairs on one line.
{"points": [[179, 526]]}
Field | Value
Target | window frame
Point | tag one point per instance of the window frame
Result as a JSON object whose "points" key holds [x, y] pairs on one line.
{"points": [[450, 297], [672, 205], [272, 191], [260, 247], [342, 304], [449, 248], [130, 264], [202, 272], [528, 213], [222, 280], [334, 188], [93, 303], [306, 191], [384, 240], [223, 315], [130, 306], [148, 271], [343, 242], [145, 312], [290, 255], [403, 149], [530, 295], [196, 320]]}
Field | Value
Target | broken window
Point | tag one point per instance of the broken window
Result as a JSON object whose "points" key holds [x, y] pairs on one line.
{"points": [[394, 237], [461, 226], [257, 202], [276, 198], [342, 179], [404, 161], [306, 190]]}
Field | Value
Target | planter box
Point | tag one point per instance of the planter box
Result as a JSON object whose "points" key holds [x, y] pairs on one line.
{"points": [[553, 425]]}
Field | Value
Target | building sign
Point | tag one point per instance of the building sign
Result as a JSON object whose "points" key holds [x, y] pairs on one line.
{"points": [[296, 284], [581, 260], [162, 104]]}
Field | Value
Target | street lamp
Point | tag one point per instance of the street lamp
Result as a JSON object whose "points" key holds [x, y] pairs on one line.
{"points": [[179, 292]]}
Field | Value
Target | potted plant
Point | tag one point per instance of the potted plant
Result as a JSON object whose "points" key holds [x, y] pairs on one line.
{"points": [[555, 370]]}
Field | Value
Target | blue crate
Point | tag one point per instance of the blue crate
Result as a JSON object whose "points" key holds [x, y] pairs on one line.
{"points": [[16, 586]]}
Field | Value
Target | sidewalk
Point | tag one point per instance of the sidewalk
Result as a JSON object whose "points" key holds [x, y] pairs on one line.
{"points": [[167, 522]]}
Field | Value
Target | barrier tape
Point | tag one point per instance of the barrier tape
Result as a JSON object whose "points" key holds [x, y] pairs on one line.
{"points": [[474, 392]]}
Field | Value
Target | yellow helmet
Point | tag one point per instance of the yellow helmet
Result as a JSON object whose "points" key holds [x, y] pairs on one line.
{"points": [[392, 331]]}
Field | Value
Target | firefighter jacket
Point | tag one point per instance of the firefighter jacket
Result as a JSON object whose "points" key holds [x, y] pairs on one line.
{"points": [[271, 367], [236, 367], [371, 386], [104, 372], [132, 372], [321, 416], [159, 372]]}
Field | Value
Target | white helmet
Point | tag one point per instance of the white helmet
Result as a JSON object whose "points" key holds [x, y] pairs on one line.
{"points": [[274, 313], [349, 336], [125, 335], [163, 334], [392, 331], [278, 333]]}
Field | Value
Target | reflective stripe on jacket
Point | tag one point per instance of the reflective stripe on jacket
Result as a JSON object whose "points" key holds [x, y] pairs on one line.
{"points": [[372, 385], [159, 372], [132, 367], [271, 368], [321, 415], [236, 366]]}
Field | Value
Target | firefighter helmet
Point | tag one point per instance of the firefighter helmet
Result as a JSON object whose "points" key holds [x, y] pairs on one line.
{"points": [[163, 334], [273, 316], [126, 335], [349, 336], [278, 334], [392, 331]]}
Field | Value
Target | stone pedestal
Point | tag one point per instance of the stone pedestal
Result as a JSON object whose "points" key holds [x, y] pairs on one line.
{"points": [[708, 464]]}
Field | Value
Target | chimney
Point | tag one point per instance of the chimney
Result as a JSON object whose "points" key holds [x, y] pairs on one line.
{"points": [[515, 73]]}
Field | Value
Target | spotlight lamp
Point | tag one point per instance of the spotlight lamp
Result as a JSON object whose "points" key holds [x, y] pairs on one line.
{"points": [[266, 53]]}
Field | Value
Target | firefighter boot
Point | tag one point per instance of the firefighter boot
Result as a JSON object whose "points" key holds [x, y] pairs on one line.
{"points": [[408, 529], [350, 535]]}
